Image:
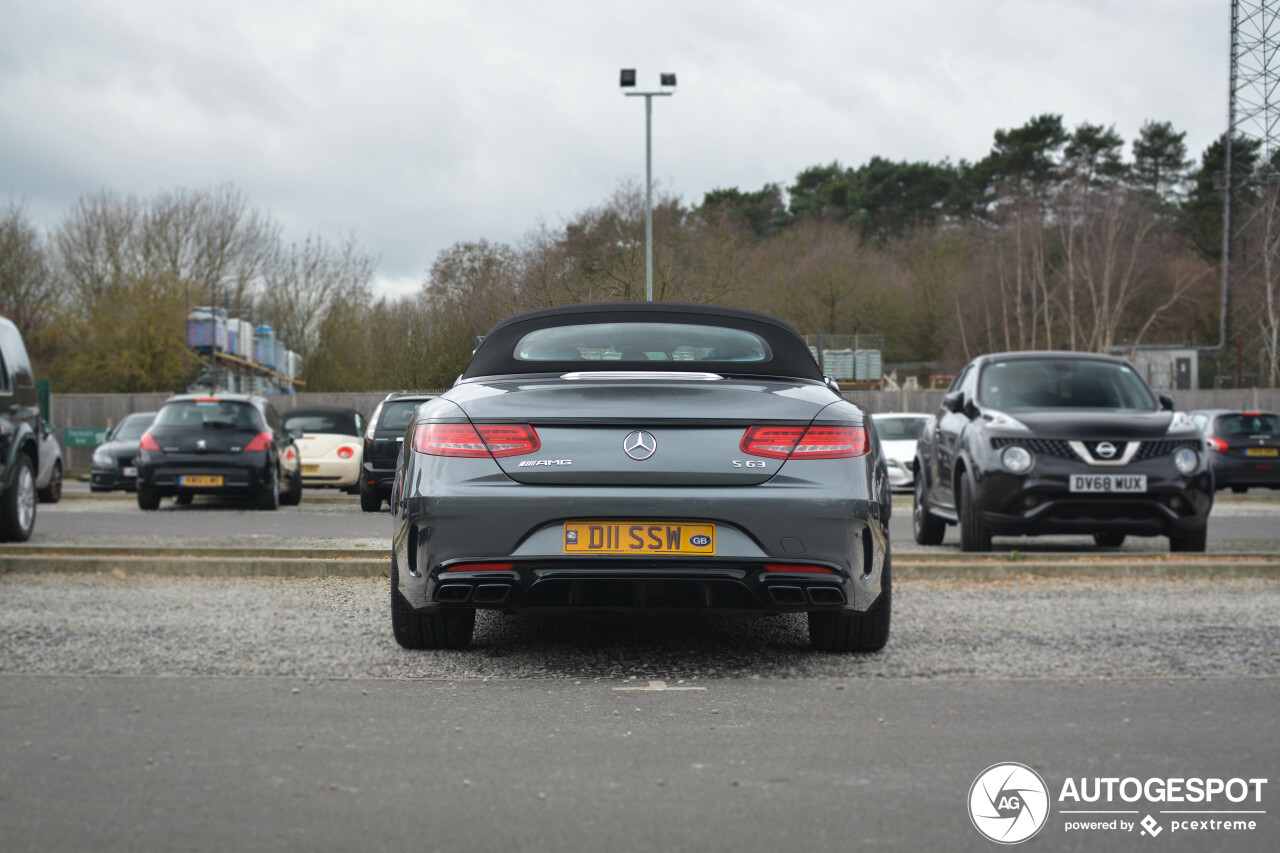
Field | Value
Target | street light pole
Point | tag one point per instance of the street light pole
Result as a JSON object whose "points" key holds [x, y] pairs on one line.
{"points": [[628, 79]]}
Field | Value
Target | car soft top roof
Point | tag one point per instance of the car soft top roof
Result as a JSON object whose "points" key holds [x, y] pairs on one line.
{"points": [[319, 410], [496, 354]]}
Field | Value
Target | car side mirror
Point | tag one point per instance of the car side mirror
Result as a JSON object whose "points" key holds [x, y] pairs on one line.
{"points": [[1166, 402], [954, 402]]}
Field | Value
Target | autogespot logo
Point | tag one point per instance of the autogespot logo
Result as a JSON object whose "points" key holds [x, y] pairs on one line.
{"points": [[1008, 803]]}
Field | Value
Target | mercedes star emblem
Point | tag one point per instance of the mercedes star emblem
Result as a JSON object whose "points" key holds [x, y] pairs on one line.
{"points": [[201, 444], [1105, 449], [639, 445]]}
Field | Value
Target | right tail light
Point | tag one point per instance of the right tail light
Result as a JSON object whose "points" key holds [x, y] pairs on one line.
{"points": [[812, 442]]}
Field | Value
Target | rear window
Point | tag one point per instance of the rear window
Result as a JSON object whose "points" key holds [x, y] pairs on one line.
{"points": [[398, 414], [334, 424], [132, 428], [642, 343], [899, 429], [1250, 424], [210, 414]]}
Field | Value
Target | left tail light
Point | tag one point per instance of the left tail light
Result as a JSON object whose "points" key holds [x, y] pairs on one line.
{"points": [[261, 441], [148, 443], [812, 442], [345, 452], [495, 440]]}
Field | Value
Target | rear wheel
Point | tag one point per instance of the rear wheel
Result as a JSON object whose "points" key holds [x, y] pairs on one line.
{"points": [[269, 497], [449, 629], [147, 498], [928, 528], [1193, 542], [18, 505], [973, 535], [370, 501], [293, 497], [831, 631], [52, 493], [1108, 540]]}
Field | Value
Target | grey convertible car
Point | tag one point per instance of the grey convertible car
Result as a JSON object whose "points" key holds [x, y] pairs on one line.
{"points": [[641, 456]]}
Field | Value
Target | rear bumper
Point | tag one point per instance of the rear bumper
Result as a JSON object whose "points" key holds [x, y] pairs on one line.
{"points": [[377, 480], [241, 473], [724, 586], [1232, 471], [339, 473]]}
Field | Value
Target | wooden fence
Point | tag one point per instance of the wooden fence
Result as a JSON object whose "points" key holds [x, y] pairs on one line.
{"points": [[105, 410]]}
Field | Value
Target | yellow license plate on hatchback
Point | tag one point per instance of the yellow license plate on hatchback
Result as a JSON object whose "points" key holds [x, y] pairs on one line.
{"points": [[200, 480], [1262, 451], [639, 538], [311, 469]]}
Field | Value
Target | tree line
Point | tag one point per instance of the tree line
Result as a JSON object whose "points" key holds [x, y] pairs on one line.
{"points": [[1059, 238]]}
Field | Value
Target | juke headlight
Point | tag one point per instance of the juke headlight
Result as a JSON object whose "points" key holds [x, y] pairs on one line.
{"points": [[1186, 460], [1017, 460], [101, 457]]}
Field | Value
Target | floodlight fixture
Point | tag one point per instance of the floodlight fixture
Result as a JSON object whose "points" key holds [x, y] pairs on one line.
{"points": [[627, 78], [667, 78]]}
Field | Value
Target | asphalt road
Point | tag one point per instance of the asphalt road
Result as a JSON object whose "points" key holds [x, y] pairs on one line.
{"points": [[272, 764], [271, 714], [1251, 524]]}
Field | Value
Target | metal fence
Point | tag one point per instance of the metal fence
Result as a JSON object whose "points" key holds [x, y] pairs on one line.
{"points": [[105, 410]]}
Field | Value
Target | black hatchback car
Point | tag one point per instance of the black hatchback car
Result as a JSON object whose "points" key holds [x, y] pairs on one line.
{"points": [[1058, 442], [115, 461], [229, 444], [1244, 448], [382, 442]]}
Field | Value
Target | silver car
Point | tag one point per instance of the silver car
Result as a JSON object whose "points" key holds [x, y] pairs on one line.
{"points": [[898, 433], [647, 457], [49, 477]]}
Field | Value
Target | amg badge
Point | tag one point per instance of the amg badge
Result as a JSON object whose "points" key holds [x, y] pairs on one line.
{"points": [[537, 463]]}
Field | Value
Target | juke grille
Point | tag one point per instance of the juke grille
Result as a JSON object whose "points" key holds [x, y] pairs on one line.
{"points": [[1060, 448]]}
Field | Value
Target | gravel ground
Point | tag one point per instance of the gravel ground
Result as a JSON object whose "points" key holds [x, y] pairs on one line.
{"points": [[339, 628]]}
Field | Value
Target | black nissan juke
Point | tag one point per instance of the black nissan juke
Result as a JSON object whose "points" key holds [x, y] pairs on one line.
{"points": [[1034, 443]]}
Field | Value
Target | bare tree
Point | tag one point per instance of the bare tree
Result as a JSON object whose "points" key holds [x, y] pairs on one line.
{"points": [[28, 290]]}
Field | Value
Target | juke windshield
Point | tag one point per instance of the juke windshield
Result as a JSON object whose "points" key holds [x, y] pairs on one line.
{"points": [[1025, 384]]}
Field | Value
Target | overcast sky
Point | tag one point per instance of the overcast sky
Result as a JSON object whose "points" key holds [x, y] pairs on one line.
{"points": [[416, 125]]}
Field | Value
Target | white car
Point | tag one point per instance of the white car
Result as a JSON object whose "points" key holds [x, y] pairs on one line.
{"points": [[898, 433], [330, 442]]}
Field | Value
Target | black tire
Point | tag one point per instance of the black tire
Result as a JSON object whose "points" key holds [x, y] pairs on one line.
{"points": [[928, 528], [52, 493], [449, 629], [973, 535], [1108, 540], [370, 501], [353, 490], [18, 504], [293, 497], [147, 498], [1239, 490], [269, 497], [831, 631], [183, 498], [1192, 542]]}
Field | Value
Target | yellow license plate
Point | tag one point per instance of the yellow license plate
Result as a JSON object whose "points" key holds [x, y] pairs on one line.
{"points": [[639, 537], [311, 469], [201, 480], [1262, 451]]}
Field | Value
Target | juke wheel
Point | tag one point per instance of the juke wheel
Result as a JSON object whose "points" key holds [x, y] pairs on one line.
{"points": [[1192, 542], [833, 631], [928, 528], [448, 629], [1108, 540], [973, 535]]}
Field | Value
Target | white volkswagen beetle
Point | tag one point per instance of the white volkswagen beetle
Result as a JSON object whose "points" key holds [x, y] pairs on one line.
{"points": [[330, 442]]}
